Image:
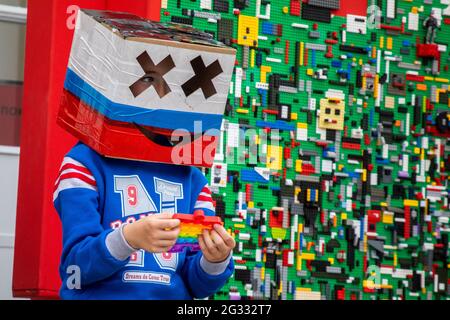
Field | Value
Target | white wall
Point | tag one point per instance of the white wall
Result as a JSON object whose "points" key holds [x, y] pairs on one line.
{"points": [[9, 171], [12, 39]]}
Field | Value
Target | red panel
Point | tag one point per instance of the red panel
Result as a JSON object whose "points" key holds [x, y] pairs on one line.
{"points": [[43, 143], [352, 7]]}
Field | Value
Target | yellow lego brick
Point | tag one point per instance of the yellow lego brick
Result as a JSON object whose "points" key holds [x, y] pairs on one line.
{"points": [[301, 125], [388, 218], [310, 72], [252, 58], [340, 167], [300, 227], [298, 166], [395, 259], [248, 30], [428, 78], [285, 10], [416, 150], [299, 263], [364, 175], [279, 233], [443, 80], [414, 10], [294, 116], [263, 271], [239, 226], [375, 91], [383, 204], [410, 203], [389, 43], [242, 111], [370, 284], [302, 49], [331, 260], [297, 191], [264, 71], [304, 289], [343, 216], [251, 204], [308, 256], [381, 42], [274, 157]]}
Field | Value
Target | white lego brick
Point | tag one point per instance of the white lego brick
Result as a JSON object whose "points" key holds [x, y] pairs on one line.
{"points": [[233, 135], [300, 25], [413, 21], [390, 9], [238, 84], [205, 4], [327, 166]]}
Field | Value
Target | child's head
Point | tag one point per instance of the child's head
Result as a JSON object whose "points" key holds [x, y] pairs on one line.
{"points": [[146, 91]]}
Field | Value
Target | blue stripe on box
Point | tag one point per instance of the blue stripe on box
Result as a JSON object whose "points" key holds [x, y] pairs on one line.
{"points": [[164, 119]]}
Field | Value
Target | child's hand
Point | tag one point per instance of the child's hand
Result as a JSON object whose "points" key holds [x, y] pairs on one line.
{"points": [[216, 245], [157, 233]]}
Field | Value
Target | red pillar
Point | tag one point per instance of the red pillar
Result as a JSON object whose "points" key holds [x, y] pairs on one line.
{"points": [[43, 143]]}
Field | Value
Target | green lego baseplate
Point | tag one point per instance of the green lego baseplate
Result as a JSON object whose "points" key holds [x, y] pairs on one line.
{"points": [[347, 109]]}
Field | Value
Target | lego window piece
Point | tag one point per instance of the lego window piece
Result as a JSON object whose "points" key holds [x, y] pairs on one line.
{"points": [[356, 24], [260, 7]]}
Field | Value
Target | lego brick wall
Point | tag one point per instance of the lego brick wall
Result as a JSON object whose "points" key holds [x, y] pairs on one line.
{"points": [[349, 194]]}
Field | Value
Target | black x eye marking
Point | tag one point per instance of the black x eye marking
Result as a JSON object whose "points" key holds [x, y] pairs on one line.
{"points": [[153, 75], [203, 78]]}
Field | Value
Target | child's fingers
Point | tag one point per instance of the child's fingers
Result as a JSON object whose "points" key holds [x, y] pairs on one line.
{"points": [[167, 224], [162, 216], [169, 235], [202, 244], [229, 241], [218, 241], [209, 243]]}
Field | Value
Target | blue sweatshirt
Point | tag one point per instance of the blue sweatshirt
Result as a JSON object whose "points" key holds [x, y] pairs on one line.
{"points": [[96, 197]]}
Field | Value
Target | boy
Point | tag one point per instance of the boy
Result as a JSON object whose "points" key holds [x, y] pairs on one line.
{"points": [[119, 187], [91, 196]]}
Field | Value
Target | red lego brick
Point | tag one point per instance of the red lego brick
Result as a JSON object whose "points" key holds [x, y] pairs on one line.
{"points": [[295, 8], [428, 51]]}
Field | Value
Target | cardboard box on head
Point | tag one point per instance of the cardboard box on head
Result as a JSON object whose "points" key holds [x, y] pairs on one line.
{"points": [[142, 90]]}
